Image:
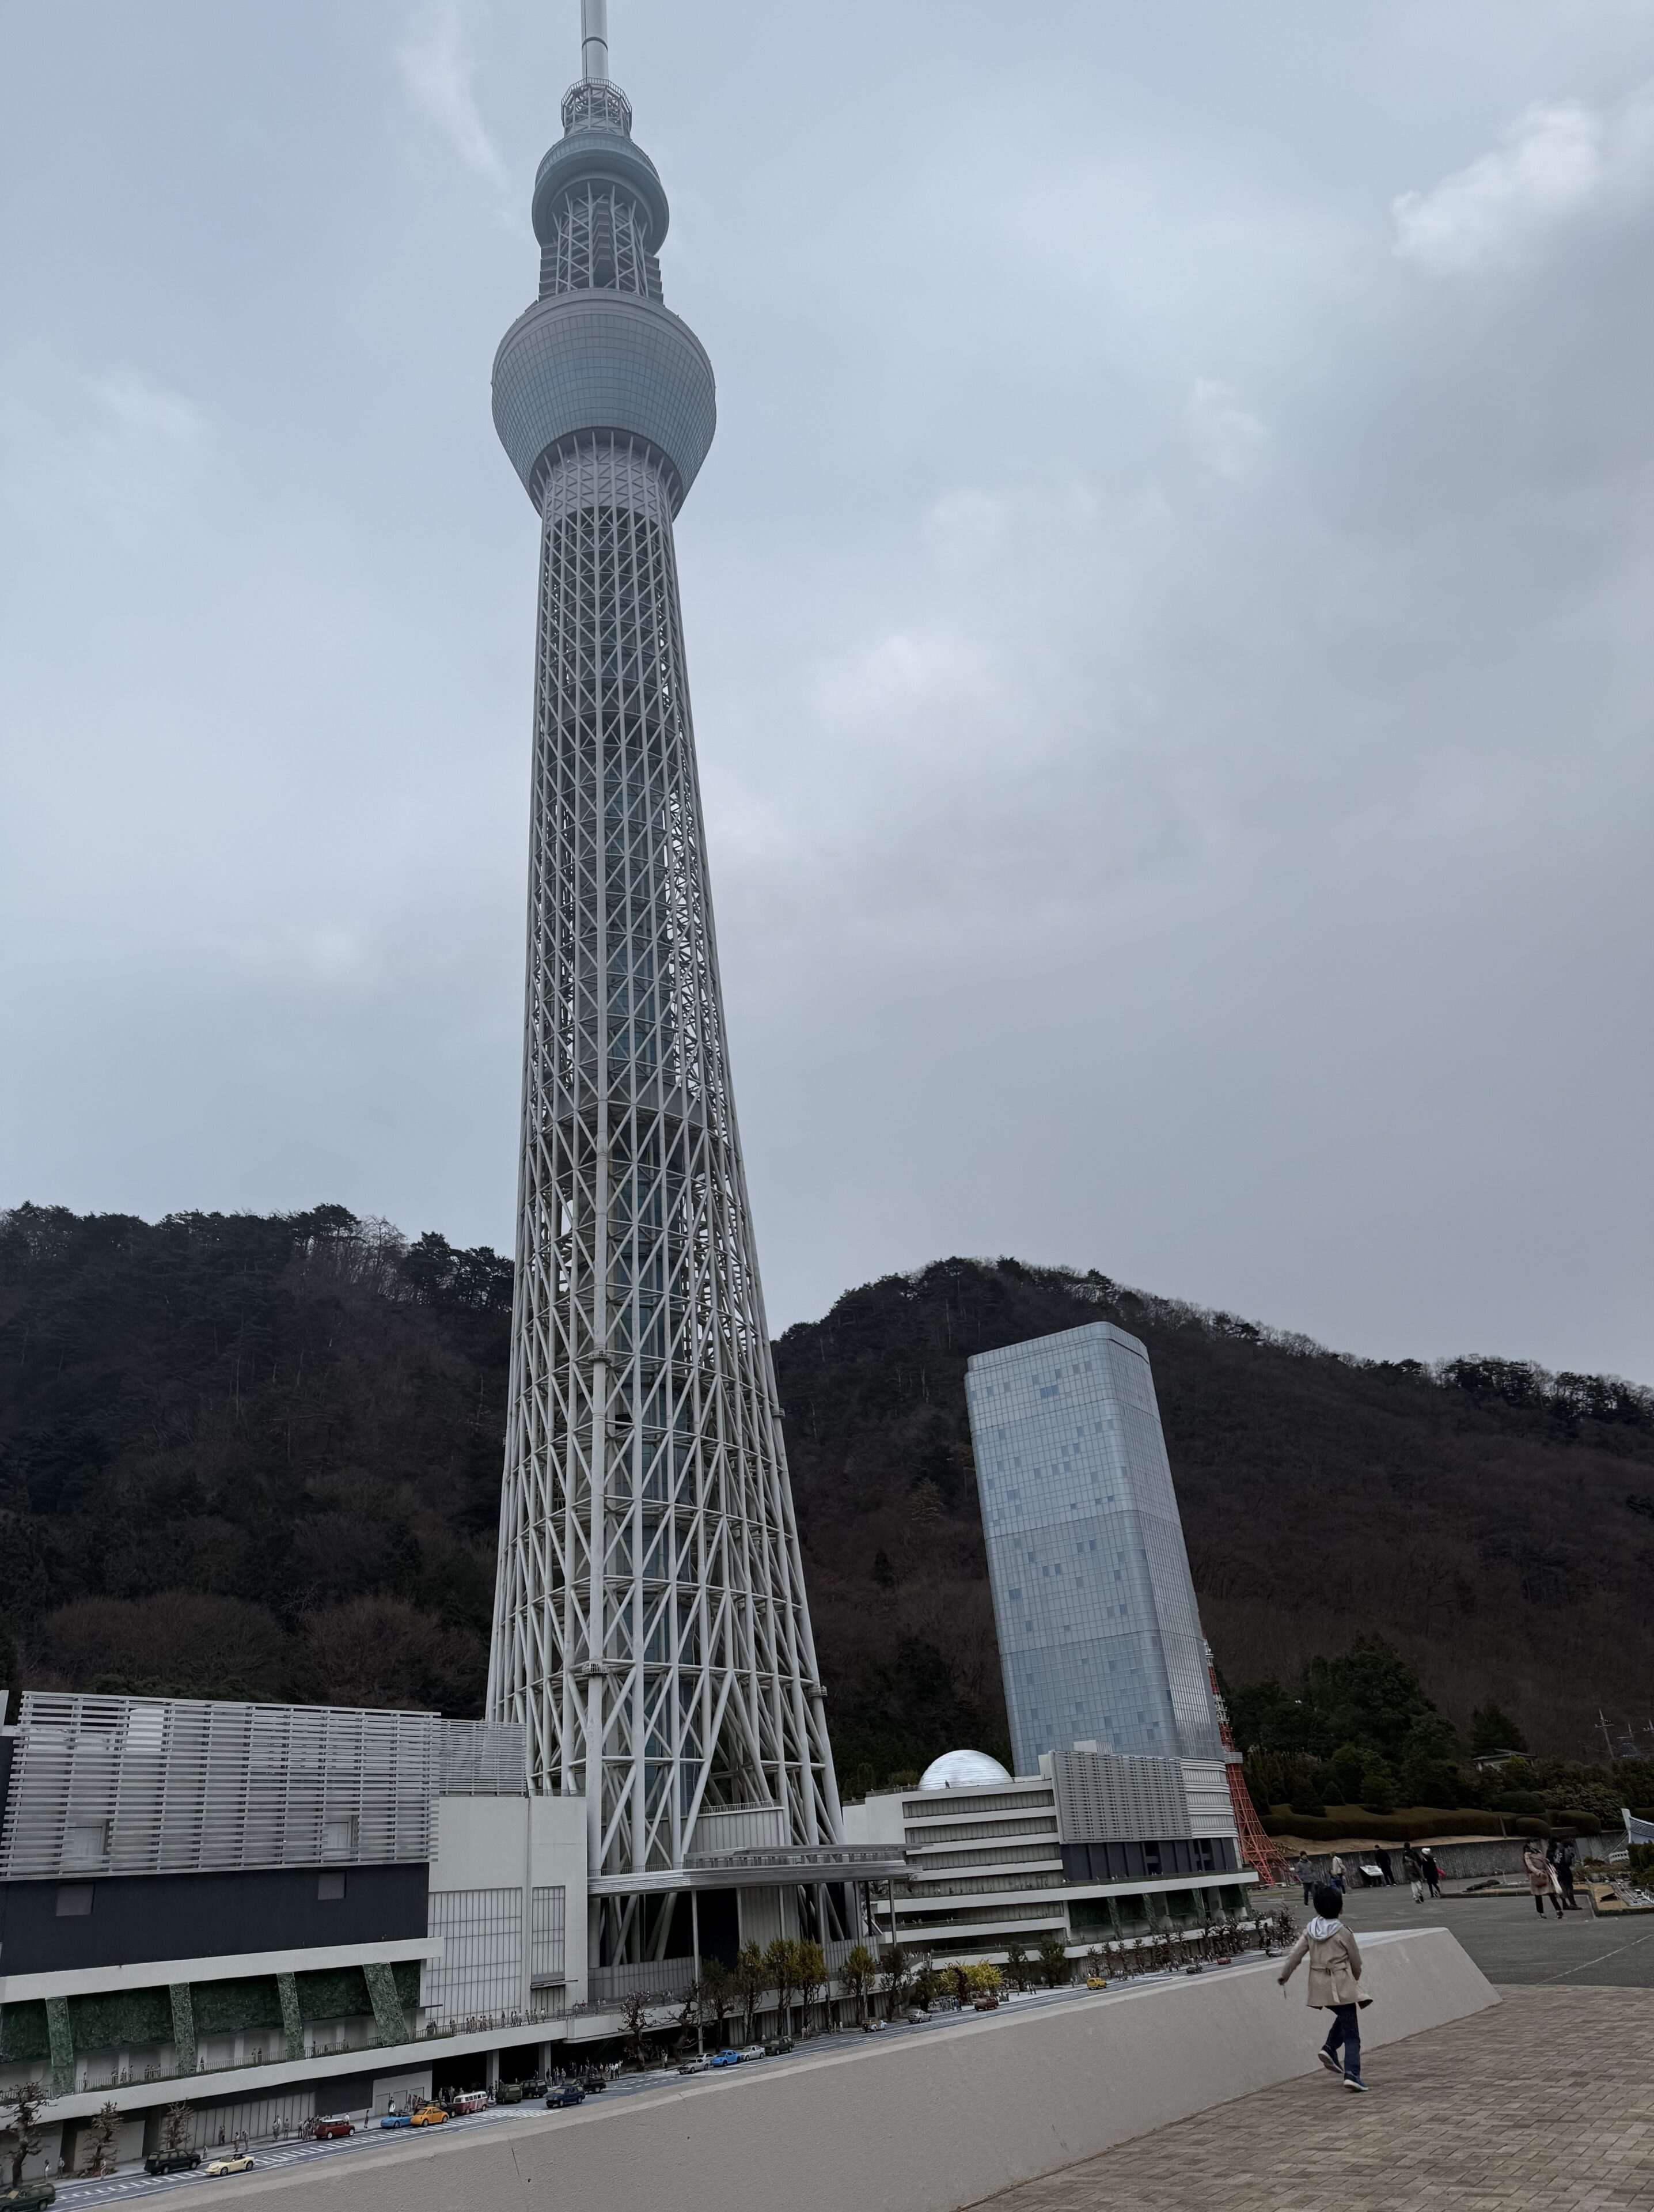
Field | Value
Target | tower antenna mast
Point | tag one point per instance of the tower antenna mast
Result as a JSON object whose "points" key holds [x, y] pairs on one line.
{"points": [[594, 41]]}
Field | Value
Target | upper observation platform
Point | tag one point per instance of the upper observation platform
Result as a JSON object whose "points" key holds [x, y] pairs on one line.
{"points": [[598, 352]]}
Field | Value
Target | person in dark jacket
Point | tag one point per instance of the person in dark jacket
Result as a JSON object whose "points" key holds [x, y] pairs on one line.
{"points": [[1430, 1870], [1334, 1982], [1560, 1855]]}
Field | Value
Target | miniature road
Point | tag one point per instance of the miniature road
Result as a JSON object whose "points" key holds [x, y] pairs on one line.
{"points": [[1547, 2101], [271, 2157]]}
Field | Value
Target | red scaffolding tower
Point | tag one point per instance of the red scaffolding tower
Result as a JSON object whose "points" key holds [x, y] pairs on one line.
{"points": [[1256, 1849]]}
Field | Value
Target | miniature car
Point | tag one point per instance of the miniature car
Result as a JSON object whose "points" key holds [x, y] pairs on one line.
{"points": [[695, 2066], [594, 2084], [872, 2027], [778, 2046], [474, 2101], [429, 2116], [237, 2162], [559, 2099], [330, 2130], [166, 2162], [756, 2050], [724, 2059], [984, 2004], [26, 2196], [395, 2120], [1096, 1981]]}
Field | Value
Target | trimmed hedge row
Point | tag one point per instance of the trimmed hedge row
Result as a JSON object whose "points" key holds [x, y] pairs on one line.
{"points": [[1386, 1827]]}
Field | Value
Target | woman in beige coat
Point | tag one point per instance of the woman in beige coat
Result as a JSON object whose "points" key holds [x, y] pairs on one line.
{"points": [[1542, 1882], [1335, 1984]]}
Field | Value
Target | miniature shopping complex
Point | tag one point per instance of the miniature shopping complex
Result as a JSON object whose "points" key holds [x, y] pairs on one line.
{"points": [[275, 1913]]}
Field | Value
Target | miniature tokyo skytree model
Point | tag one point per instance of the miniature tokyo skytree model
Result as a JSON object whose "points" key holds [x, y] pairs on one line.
{"points": [[650, 1626]]}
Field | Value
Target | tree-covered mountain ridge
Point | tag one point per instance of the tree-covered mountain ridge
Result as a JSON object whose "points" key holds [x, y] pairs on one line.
{"points": [[260, 1456]]}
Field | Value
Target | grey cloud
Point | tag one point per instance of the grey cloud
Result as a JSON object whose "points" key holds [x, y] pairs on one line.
{"points": [[1171, 671]]}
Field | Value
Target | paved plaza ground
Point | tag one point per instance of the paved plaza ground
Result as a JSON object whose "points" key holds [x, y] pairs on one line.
{"points": [[1511, 1943], [1548, 2100]]}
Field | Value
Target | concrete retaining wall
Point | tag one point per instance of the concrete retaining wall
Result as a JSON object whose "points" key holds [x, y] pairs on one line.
{"points": [[926, 2122]]}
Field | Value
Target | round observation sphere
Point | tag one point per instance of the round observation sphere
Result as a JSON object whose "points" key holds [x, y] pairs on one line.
{"points": [[961, 1770]]}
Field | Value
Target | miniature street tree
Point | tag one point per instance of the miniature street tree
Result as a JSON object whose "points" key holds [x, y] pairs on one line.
{"points": [[781, 1964], [809, 1964], [20, 2109], [634, 2011], [1016, 1965], [857, 1974], [106, 2125], [175, 2129], [1054, 1961], [718, 1992], [892, 1969], [752, 1979]]}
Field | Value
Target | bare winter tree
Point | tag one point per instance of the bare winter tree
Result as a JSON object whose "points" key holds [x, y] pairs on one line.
{"points": [[21, 2107]]}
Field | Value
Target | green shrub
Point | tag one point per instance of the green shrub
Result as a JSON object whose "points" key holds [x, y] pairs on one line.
{"points": [[1582, 1823], [1529, 1826], [1642, 1860], [122, 2021], [340, 1995], [236, 2007], [23, 2033]]}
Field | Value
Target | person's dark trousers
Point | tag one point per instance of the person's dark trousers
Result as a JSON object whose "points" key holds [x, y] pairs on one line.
{"points": [[1539, 1902], [1568, 1898], [1345, 2034], [1309, 1892]]}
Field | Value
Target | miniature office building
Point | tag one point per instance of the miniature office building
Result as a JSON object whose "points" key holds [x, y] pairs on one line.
{"points": [[1099, 1640]]}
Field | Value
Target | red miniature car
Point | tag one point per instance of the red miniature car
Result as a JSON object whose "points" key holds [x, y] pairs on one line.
{"points": [[327, 2130]]}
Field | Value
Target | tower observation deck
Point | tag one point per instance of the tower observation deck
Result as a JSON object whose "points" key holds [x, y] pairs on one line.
{"points": [[650, 1628]]}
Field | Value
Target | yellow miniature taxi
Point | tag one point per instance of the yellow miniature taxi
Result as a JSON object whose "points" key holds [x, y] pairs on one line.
{"points": [[429, 2116], [236, 2162]]}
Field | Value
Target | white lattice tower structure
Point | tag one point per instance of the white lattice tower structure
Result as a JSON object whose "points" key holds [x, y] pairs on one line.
{"points": [[650, 1628]]}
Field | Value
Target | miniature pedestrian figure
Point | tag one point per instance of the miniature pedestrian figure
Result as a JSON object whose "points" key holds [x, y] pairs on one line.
{"points": [[1430, 1870], [1540, 1881], [1335, 1984]]}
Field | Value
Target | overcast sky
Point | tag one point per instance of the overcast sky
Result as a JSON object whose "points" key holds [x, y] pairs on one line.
{"points": [[1168, 606]]}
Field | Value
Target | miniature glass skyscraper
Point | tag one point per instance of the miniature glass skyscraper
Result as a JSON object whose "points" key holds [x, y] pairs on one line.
{"points": [[1099, 1637], [650, 1627]]}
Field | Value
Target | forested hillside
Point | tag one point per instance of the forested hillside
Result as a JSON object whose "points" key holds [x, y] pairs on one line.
{"points": [[261, 1457]]}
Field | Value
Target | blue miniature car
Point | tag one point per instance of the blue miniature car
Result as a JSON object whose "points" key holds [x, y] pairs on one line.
{"points": [[559, 2100], [726, 2058], [395, 2120]]}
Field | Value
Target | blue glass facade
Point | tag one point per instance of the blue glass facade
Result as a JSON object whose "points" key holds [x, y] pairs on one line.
{"points": [[1099, 1637]]}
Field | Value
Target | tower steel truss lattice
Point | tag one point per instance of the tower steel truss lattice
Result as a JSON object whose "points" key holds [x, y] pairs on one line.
{"points": [[650, 1627]]}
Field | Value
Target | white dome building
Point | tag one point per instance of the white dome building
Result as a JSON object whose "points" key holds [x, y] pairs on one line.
{"points": [[962, 1770]]}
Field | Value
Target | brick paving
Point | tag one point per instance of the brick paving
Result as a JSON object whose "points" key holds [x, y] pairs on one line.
{"points": [[1548, 2100]]}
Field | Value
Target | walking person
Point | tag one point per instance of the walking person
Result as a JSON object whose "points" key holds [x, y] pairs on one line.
{"points": [[1335, 1874], [1430, 1870], [1540, 1881], [1414, 1872], [1560, 1855], [1303, 1868], [1335, 1984]]}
